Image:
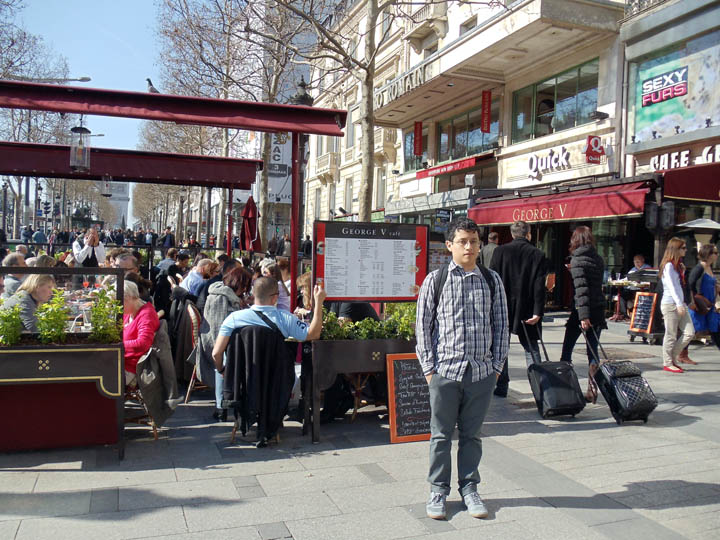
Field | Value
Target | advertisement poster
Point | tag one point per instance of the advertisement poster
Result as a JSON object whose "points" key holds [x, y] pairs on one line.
{"points": [[677, 92], [279, 171], [363, 261]]}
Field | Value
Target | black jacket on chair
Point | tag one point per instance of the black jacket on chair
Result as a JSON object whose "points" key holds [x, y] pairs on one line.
{"points": [[180, 330], [522, 268], [258, 379]]}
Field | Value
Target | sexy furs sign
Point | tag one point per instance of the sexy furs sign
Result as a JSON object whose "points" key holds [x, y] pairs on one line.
{"points": [[665, 86]]}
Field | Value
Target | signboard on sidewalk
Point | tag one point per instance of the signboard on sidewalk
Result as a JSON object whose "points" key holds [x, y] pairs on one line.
{"points": [[408, 399], [371, 262]]}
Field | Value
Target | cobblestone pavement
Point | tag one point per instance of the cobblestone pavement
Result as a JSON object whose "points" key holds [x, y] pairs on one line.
{"points": [[566, 478]]}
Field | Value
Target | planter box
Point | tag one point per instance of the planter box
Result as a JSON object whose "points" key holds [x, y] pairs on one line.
{"points": [[331, 357], [56, 396]]}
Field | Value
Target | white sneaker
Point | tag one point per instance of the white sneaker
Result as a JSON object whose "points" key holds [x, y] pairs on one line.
{"points": [[435, 506], [475, 505]]}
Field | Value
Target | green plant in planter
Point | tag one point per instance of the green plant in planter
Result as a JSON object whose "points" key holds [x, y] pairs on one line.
{"points": [[52, 318], [106, 326], [10, 326]]}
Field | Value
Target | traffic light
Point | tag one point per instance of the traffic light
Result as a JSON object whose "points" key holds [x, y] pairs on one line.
{"points": [[46, 207]]}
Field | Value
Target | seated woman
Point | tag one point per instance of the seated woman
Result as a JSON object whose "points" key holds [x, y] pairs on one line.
{"points": [[140, 323], [32, 293], [223, 298], [270, 268]]}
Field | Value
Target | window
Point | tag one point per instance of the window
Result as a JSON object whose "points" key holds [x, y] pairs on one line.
{"points": [[319, 145], [318, 196], [353, 48], [560, 102], [331, 144], [348, 194], [468, 25], [321, 80], [380, 183], [429, 51], [350, 130], [385, 27], [461, 136], [413, 162], [331, 199]]}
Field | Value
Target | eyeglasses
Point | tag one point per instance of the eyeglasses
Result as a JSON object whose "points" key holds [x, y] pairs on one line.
{"points": [[464, 243]]}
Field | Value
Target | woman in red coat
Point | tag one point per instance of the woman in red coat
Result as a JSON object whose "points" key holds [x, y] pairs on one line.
{"points": [[140, 322]]}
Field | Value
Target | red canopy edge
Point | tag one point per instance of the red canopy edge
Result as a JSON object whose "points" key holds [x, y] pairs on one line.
{"points": [[53, 161], [593, 203], [694, 183], [254, 116]]}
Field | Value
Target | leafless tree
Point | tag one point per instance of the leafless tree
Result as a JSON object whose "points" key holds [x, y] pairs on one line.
{"points": [[338, 29]]}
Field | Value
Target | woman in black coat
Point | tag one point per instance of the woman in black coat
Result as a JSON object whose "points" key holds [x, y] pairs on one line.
{"points": [[588, 314]]}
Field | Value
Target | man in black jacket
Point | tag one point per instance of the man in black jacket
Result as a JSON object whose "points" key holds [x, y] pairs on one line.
{"points": [[522, 268]]}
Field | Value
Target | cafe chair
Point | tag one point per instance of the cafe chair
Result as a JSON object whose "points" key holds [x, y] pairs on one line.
{"points": [[258, 380], [133, 394], [195, 320], [549, 288]]}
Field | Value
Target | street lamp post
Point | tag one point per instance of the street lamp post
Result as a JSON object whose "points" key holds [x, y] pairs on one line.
{"points": [[4, 208], [299, 140]]}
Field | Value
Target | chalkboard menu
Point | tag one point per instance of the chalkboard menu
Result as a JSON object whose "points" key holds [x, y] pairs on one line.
{"points": [[643, 312], [408, 399]]}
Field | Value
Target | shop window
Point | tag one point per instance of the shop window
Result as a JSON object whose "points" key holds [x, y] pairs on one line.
{"points": [[560, 102], [462, 136], [468, 25], [413, 162]]}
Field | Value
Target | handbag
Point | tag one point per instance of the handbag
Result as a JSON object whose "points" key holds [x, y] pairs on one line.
{"points": [[700, 304]]}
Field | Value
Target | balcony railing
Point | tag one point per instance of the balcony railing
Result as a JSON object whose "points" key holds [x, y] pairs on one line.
{"points": [[633, 7], [385, 143], [327, 165]]}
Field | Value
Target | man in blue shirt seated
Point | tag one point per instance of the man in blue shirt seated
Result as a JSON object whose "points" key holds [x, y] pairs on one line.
{"points": [[265, 291]]}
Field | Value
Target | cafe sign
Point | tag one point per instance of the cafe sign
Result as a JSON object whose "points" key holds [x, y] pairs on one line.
{"points": [[683, 158]]}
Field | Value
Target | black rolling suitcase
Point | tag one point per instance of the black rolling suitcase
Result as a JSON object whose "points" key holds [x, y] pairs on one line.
{"points": [[555, 386], [625, 390]]}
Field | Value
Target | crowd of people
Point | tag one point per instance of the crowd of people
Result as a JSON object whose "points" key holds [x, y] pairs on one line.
{"points": [[465, 315]]}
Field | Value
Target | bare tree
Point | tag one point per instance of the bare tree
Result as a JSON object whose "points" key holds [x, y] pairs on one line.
{"points": [[347, 40]]}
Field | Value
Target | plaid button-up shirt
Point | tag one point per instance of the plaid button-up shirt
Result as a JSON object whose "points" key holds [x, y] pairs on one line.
{"points": [[468, 331]]}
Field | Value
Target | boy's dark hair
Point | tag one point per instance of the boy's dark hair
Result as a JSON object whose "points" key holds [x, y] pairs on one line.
{"points": [[222, 258], [228, 266], [183, 256], [461, 224]]}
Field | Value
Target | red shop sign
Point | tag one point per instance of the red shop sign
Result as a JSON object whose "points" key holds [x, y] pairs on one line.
{"points": [[485, 111], [417, 140], [447, 168]]}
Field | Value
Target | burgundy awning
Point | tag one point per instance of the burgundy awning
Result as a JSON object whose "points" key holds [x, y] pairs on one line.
{"points": [[253, 116], [593, 203], [695, 183], [53, 161]]}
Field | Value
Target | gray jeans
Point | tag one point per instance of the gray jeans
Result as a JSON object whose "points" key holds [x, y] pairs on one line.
{"points": [[672, 346], [464, 404]]}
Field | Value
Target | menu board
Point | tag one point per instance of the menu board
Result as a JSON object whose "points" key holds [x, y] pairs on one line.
{"points": [[380, 262], [408, 399], [643, 312]]}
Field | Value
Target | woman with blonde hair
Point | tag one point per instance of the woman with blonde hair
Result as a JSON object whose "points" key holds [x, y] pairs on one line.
{"points": [[673, 306], [31, 294]]}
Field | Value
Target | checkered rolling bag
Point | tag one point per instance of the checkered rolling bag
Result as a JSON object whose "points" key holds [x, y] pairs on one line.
{"points": [[625, 390]]}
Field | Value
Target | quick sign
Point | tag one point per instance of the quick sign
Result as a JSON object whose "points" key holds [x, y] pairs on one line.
{"points": [[593, 149], [555, 160], [664, 87]]}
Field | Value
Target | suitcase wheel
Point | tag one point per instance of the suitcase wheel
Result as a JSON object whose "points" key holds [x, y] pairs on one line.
{"points": [[632, 338]]}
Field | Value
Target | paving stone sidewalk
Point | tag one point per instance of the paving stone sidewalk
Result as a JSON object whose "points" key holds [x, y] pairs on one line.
{"points": [[566, 478]]}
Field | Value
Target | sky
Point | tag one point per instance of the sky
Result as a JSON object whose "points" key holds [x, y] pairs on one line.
{"points": [[111, 41]]}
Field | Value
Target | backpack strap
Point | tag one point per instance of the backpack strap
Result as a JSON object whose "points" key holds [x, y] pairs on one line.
{"points": [[490, 281], [270, 324]]}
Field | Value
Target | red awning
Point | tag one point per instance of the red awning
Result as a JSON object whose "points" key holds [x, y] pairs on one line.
{"points": [[53, 161], [253, 116], [593, 203], [695, 183]]}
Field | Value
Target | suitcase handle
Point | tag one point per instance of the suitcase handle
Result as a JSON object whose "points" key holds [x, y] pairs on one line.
{"points": [[593, 368], [527, 337]]}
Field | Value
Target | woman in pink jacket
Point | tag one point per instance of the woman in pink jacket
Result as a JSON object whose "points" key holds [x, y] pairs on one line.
{"points": [[140, 322]]}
